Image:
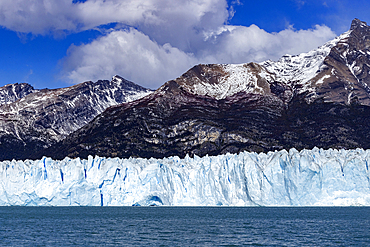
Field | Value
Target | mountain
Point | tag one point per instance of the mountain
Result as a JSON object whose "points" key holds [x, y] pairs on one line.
{"points": [[319, 98], [32, 120], [13, 92]]}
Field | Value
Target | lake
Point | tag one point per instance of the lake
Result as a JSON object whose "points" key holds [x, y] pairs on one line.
{"points": [[184, 226]]}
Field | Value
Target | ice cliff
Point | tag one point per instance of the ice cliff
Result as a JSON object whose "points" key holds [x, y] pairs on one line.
{"points": [[283, 178]]}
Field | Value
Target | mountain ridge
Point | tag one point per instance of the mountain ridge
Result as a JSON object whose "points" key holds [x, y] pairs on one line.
{"points": [[12, 92], [43, 117], [319, 98], [214, 109]]}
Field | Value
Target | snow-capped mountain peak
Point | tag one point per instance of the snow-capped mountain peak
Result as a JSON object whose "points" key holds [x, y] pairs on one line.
{"points": [[301, 69], [317, 98], [12, 92], [335, 71], [45, 116], [223, 80], [356, 23]]}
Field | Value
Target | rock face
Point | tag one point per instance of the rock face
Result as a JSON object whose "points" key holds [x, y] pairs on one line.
{"points": [[13, 92], [320, 98], [32, 120]]}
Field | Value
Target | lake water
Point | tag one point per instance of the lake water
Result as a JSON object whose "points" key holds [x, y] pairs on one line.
{"points": [[184, 226]]}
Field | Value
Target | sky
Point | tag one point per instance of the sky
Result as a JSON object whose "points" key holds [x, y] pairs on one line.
{"points": [[58, 43]]}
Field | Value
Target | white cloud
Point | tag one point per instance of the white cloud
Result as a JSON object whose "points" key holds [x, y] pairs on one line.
{"points": [[239, 44], [43, 16], [37, 16], [131, 54]]}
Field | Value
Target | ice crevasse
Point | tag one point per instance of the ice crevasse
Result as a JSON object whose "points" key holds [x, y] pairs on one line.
{"points": [[282, 178]]}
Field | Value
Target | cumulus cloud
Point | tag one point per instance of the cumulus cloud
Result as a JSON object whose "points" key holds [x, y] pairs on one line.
{"points": [[153, 40], [239, 44], [44, 16], [129, 53], [37, 16]]}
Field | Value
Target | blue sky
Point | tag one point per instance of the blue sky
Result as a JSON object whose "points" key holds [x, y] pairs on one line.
{"points": [[57, 43]]}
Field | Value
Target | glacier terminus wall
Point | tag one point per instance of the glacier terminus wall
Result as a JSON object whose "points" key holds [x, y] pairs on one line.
{"points": [[282, 178]]}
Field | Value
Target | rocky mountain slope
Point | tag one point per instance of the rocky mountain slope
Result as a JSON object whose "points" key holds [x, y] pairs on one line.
{"points": [[319, 98], [32, 120], [13, 92]]}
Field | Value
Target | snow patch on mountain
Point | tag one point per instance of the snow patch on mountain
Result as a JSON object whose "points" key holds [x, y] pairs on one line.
{"points": [[133, 91], [221, 81], [300, 69], [248, 78]]}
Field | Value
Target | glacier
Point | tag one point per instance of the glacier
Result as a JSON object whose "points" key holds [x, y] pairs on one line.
{"points": [[314, 177]]}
